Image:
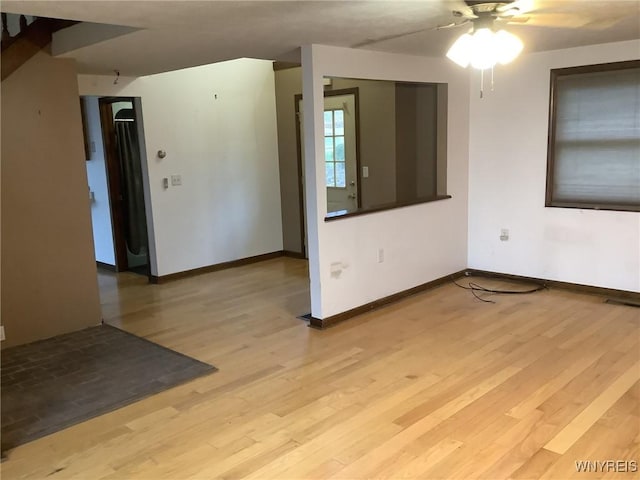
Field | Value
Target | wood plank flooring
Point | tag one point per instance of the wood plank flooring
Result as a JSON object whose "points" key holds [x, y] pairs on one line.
{"points": [[438, 386]]}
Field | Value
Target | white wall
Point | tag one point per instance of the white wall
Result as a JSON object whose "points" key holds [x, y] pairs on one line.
{"points": [[421, 242], [97, 177], [225, 149], [508, 158]]}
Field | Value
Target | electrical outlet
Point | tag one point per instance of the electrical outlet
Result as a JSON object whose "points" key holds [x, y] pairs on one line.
{"points": [[176, 180], [504, 235], [380, 255], [1, 333]]}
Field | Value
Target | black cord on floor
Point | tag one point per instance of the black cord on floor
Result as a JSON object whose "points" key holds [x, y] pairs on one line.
{"points": [[474, 287], [473, 291]]}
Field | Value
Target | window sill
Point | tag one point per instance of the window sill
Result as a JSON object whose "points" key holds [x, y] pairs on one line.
{"points": [[590, 206], [381, 208]]}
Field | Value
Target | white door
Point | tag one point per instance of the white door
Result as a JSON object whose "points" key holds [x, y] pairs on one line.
{"points": [[341, 170]]}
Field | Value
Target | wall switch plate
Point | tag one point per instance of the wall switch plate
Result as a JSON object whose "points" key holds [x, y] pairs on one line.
{"points": [[1, 333], [504, 235], [165, 182], [365, 172], [380, 255], [176, 180], [93, 147]]}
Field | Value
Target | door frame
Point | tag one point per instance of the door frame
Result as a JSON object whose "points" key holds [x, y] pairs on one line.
{"points": [[301, 203], [114, 182], [355, 91]]}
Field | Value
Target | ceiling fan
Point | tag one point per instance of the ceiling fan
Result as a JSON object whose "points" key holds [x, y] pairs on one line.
{"points": [[485, 13], [516, 13], [485, 45], [537, 13]]}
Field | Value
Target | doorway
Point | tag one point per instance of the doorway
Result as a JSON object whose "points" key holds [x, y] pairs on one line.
{"points": [[341, 154], [123, 158]]}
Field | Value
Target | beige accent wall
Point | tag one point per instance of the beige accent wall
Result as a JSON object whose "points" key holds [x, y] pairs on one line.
{"points": [[377, 114], [288, 84], [416, 141], [49, 279], [377, 138]]}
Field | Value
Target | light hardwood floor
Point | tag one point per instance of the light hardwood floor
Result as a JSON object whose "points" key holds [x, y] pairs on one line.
{"points": [[437, 386]]}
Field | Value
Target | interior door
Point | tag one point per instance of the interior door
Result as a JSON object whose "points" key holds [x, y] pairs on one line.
{"points": [[125, 182]]}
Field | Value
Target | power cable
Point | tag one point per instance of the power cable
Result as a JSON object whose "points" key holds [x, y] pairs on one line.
{"points": [[474, 287]]}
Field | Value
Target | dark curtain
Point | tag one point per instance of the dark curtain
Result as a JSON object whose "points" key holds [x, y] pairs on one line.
{"points": [[131, 174]]}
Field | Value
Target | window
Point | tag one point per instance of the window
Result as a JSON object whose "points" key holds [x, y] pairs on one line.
{"points": [[334, 157], [594, 137]]}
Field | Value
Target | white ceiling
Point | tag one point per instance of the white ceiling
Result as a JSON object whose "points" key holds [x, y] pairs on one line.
{"points": [[178, 34]]}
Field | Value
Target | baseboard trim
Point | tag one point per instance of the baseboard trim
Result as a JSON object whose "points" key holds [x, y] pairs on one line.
{"points": [[627, 302], [106, 266], [291, 254], [216, 267], [323, 323], [618, 296], [575, 287]]}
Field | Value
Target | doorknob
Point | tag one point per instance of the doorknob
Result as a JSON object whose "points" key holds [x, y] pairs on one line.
{"points": [[352, 183], [352, 195]]}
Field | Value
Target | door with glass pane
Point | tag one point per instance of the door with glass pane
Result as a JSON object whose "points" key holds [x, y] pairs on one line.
{"points": [[341, 171], [340, 159]]}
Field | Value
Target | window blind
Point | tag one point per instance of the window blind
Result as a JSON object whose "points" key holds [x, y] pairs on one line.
{"points": [[596, 157]]}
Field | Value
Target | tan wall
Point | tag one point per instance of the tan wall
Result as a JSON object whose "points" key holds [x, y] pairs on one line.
{"points": [[377, 114], [49, 282], [406, 146], [288, 84], [377, 138], [416, 141]]}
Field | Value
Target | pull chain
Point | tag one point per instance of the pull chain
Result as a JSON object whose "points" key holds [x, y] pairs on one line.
{"points": [[492, 79], [482, 82]]}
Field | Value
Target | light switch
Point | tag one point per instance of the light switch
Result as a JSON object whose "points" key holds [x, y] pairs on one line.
{"points": [[365, 172], [165, 182]]}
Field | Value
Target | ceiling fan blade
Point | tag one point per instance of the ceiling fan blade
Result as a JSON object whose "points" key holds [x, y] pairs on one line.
{"points": [[459, 6], [372, 41], [519, 7], [519, 20], [451, 25], [565, 20], [461, 9]]}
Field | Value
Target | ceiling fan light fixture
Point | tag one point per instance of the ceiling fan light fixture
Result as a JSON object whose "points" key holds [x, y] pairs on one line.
{"points": [[484, 48], [508, 46], [460, 51]]}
